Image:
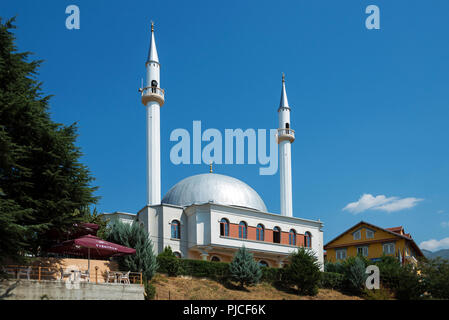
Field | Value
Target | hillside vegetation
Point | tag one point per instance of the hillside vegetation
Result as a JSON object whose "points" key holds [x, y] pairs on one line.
{"points": [[191, 288]]}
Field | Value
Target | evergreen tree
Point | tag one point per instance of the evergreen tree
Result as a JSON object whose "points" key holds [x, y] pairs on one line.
{"points": [[167, 253], [435, 275], [134, 236], [303, 271], [354, 271], [42, 183], [244, 269]]}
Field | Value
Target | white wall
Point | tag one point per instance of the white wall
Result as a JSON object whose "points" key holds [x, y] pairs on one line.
{"points": [[200, 227]]}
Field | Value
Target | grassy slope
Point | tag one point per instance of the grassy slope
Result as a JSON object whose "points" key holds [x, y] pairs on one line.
{"points": [[183, 288]]}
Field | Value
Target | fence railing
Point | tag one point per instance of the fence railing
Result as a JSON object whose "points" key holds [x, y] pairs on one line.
{"points": [[42, 273], [152, 90], [286, 131]]}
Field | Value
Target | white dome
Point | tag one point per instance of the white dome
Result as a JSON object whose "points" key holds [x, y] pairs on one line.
{"points": [[214, 188]]}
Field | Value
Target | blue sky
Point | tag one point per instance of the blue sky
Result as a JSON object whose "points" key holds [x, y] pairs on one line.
{"points": [[370, 107]]}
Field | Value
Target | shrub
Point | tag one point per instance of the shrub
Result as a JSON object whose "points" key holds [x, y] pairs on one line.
{"points": [[168, 263], [303, 271], [354, 273], [334, 267], [435, 275], [378, 294], [173, 266], [200, 268], [271, 275], [168, 253], [150, 291], [244, 269], [331, 280]]}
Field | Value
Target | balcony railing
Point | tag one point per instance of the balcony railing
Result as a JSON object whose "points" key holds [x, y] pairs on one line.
{"points": [[286, 134], [152, 90], [286, 131], [152, 94], [41, 273]]}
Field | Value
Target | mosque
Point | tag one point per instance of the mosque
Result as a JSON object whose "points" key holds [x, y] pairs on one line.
{"points": [[210, 216]]}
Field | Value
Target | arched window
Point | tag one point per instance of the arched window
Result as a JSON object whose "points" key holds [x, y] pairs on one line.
{"points": [[175, 229], [277, 235], [177, 254], [243, 230], [263, 263], [287, 125], [224, 227], [308, 240], [215, 259], [292, 237], [260, 232]]}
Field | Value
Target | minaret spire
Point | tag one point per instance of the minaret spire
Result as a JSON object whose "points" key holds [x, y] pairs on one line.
{"points": [[152, 53], [285, 138], [153, 98], [284, 100]]}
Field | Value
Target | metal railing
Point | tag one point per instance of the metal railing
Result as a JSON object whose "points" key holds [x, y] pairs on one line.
{"points": [[285, 131], [152, 90], [41, 273]]}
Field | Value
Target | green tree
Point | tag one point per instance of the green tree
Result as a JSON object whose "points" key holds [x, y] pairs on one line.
{"points": [[389, 269], [134, 236], [244, 269], [402, 280], [435, 273], [410, 285], [303, 271], [42, 183], [355, 274]]}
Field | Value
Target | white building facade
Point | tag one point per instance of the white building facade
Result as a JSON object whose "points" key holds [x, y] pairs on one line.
{"points": [[215, 232]]}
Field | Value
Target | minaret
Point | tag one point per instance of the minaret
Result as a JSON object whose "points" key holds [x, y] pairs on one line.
{"points": [[153, 100], [285, 138]]}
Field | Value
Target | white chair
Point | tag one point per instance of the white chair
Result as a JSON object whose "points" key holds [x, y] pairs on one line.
{"points": [[63, 274], [26, 272], [85, 275], [110, 276], [124, 277]]}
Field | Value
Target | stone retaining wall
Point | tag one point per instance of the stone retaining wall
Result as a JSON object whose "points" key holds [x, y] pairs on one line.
{"points": [[65, 290]]}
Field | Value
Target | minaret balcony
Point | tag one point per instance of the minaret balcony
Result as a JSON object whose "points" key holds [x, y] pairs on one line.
{"points": [[286, 134], [153, 94]]}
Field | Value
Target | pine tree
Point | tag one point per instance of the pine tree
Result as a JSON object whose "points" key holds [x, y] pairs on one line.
{"points": [[303, 271], [134, 236], [42, 183], [244, 269], [354, 271]]}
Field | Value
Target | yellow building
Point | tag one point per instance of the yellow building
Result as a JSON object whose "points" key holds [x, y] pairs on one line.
{"points": [[372, 242]]}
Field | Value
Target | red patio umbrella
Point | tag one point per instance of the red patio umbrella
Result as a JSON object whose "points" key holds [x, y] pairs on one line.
{"points": [[93, 246]]}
